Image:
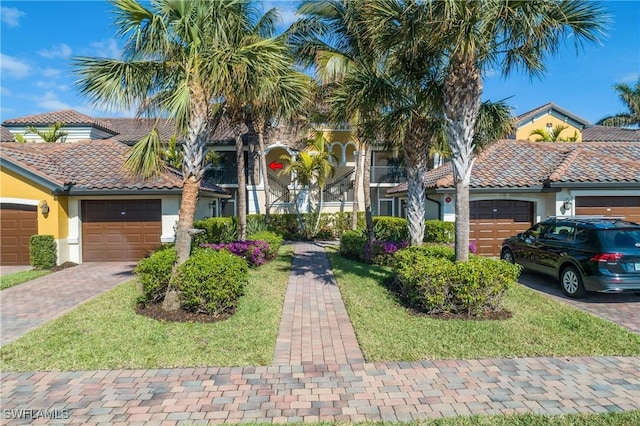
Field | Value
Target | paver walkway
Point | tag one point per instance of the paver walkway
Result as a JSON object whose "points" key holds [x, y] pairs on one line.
{"points": [[29, 305], [342, 390], [315, 327]]}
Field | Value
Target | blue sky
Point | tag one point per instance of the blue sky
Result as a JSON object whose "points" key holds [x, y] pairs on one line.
{"points": [[38, 38]]}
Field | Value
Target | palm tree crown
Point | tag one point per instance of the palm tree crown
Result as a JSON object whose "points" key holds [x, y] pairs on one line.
{"points": [[630, 97]]}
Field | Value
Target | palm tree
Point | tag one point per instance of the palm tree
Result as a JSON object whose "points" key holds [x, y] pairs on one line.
{"points": [[273, 104], [312, 166], [253, 86], [51, 134], [332, 37], [470, 38], [554, 135], [630, 97], [177, 61]]}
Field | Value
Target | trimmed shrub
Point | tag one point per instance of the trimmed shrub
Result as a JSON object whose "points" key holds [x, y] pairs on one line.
{"points": [[211, 281], [256, 223], [217, 230], [271, 238], [154, 273], [390, 228], [432, 282], [255, 253], [352, 245], [285, 225], [438, 231], [382, 252], [43, 252]]}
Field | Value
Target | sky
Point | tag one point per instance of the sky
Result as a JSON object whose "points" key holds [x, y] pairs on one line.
{"points": [[39, 38]]}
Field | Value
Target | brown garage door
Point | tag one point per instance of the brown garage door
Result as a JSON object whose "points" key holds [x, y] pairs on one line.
{"points": [[627, 207], [491, 221], [17, 224], [120, 230]]}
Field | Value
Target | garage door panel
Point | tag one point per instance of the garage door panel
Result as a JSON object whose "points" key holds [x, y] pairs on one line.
{"points": [[121, 230], [491, 221], [17, 224], [622, 206]]}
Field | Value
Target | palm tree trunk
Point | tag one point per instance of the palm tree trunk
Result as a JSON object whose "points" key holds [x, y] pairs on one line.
{"points": [[366, 183], [242, 186], [416, 204], [315, 230], [263, 169], [185, 220], [462, 99], [356, 186]]}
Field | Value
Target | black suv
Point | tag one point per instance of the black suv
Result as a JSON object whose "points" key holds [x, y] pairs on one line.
{"points": [[584, 253]]}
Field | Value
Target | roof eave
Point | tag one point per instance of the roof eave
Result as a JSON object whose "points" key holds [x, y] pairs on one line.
{"points": [[41, 180], [597, 185]]}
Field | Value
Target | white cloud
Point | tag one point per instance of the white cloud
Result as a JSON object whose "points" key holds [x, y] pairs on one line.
{"points": [[57, 51], [106, 49], [14, 67], [288, 17], [11, 16], [4, 91], [630, 78], [52, 85], [50, 72], [51, 102]]}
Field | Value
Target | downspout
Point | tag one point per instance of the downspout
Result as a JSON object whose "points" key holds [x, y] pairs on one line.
{"points": [[439, 206]]}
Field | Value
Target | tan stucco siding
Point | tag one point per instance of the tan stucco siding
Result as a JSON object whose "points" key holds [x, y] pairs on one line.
{"points": [[17, 189], [525, 130]]}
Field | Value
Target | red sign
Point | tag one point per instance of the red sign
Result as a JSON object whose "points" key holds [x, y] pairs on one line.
{"points": [[447, 200], [275, 166]]}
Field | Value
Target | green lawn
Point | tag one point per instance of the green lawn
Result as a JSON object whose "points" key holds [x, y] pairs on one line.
{"points": [[387, 331], [15, 278], [627, 418], [106, 333]]}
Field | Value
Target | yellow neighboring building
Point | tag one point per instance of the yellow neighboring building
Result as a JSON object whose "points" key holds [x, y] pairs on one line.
{"points": [[79, 193], [547, 117]]}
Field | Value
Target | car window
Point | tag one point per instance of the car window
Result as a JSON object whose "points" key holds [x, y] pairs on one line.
{"points": [[536, 231], [561, 233], [620, 238]]}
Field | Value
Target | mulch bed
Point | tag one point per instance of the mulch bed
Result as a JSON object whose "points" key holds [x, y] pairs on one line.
{"points": [[62, 266], [156, 312]]}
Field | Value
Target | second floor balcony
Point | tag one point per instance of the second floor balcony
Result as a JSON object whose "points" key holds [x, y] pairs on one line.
{"points": [[388, 174]]}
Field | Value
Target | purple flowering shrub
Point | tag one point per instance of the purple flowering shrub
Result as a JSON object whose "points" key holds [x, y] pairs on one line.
{"points": [[472, 246], [256, 253], [381, 252]]}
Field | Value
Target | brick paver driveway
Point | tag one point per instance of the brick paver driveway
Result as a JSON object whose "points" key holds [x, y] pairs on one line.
{"points": [[29, 305], [623, 308]]}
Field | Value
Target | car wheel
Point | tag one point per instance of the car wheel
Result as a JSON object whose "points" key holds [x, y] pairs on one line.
{"points": [[507, 255], [571, 282]]}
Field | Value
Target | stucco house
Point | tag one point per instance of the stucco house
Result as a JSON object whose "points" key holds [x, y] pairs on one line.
{"points": [[547, 117], [516, 183], [80, 193]]}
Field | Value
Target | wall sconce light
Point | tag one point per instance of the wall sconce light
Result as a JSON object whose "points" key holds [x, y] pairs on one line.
{"points": [[44, 207], [567, 204]]}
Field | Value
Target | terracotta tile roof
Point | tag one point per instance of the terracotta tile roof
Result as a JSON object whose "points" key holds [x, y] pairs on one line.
{"points": [[69, 117], [610, 134], [509, 164], [6, 135], [89, 165], [547, 107], [131, 130]]}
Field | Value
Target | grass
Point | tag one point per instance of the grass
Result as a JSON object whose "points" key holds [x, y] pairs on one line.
{"points": [[387, 331], [15, 278], [627, 418], [106, 333]]}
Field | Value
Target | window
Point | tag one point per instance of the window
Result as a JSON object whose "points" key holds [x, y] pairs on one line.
{"points": [[561, 233]]}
